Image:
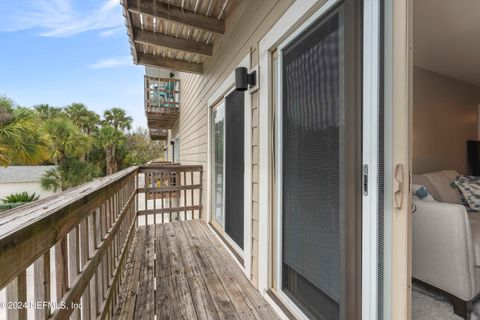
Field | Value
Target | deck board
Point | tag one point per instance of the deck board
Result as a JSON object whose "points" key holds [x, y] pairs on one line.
{"points": [[195, 278]]}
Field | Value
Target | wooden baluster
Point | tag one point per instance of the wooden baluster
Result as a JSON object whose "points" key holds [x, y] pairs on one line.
{"points": [[84, 256], [185, 203], [170, 206], [61, 267], [41, 270], [104, 276], [200, 195], [136, 197], [192, 194], [108, 219], [103, 230], [155, 200], [162, 195], [178, 179], [92, 245], [73, 262], [17, 293], [99, 273]]}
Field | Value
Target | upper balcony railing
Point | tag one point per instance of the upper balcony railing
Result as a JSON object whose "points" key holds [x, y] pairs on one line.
{"points": [[71, 248], [162, 101], [158, 134]]}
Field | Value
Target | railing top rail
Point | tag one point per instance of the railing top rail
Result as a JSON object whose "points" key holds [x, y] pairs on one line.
{"points": [[152, 78], [170, 167], [28, 231]]}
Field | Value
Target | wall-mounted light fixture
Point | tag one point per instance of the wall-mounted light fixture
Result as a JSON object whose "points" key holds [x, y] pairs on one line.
{"points": [[245, 80]]}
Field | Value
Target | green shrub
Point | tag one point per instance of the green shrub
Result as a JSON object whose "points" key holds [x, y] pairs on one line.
{"points": [[20, 197]]}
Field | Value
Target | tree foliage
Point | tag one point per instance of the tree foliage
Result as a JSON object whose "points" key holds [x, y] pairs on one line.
{"points": [[82, 144], [65, 139], [83, 118], [118, 119], [110, 139], [20, 140], [141, 148], [69, 174]]}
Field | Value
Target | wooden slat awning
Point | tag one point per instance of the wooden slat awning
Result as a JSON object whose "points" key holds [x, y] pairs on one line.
{"points": [[176, 35]]}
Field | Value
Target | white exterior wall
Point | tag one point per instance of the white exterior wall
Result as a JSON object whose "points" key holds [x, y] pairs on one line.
{"points": [[8, 188]]}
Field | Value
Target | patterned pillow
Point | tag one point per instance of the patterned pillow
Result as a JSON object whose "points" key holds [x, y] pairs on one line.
{"points": [[469, 186]]}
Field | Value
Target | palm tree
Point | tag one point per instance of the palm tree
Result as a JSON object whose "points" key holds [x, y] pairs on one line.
{"points": [[109, 138], [82, 117], [47, 112], [21, 141], [66, 144], [117, 118], [70, 174], [65, 140]]}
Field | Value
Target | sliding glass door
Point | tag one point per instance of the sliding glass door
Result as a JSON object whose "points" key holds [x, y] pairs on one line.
{"points": [[319, 157], [228, 128]]}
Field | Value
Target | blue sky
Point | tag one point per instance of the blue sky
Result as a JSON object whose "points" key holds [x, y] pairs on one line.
{"points": [[64, 51]]}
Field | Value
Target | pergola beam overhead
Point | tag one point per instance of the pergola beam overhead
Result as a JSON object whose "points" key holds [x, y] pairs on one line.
{"points": [[165, 11], [167, 63], [158, 39]]}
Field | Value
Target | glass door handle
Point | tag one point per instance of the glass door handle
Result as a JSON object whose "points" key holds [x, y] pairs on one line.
{"points": [[398, 180]]}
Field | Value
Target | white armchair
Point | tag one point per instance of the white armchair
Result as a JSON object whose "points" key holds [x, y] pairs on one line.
{"points": [[446, 243]]}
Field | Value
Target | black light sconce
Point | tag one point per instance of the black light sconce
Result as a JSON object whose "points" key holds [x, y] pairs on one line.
{"points": [[245, 80], [172, 142]]}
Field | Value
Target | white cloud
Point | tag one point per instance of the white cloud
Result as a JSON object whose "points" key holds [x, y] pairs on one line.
{"points": [[112, 32], [59, 18], [112, 63]]}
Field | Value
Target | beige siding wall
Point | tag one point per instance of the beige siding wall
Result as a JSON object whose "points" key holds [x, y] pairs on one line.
{"points": [[255, 161], [245, 28]]}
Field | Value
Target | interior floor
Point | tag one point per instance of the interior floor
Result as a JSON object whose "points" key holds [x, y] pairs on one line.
{"points": [[429, 305]]}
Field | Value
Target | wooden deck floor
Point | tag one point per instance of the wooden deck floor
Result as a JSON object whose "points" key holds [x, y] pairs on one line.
{"points": [[180, 270]]}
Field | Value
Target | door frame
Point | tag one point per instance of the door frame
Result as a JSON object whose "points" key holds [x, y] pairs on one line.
{"points": [[295, 20], [300, 12], [397, 114], [370, 154], [212, 166], [218, 97]]}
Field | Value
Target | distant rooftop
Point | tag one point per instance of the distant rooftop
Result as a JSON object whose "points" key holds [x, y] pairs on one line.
{"points": [[22, 173]]}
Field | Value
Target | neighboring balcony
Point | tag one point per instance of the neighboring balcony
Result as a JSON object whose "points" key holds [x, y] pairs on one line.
{"points": [[162, 102], [158, 134], [131, 245]]}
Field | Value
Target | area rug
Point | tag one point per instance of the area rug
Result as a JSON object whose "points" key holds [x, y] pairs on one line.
{"points": [[428, 305]]}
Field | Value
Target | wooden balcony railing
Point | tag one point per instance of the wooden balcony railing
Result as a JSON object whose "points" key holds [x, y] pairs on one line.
{"points": [[158, 134], [70, 250], [162, 100], [170, 193]]}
